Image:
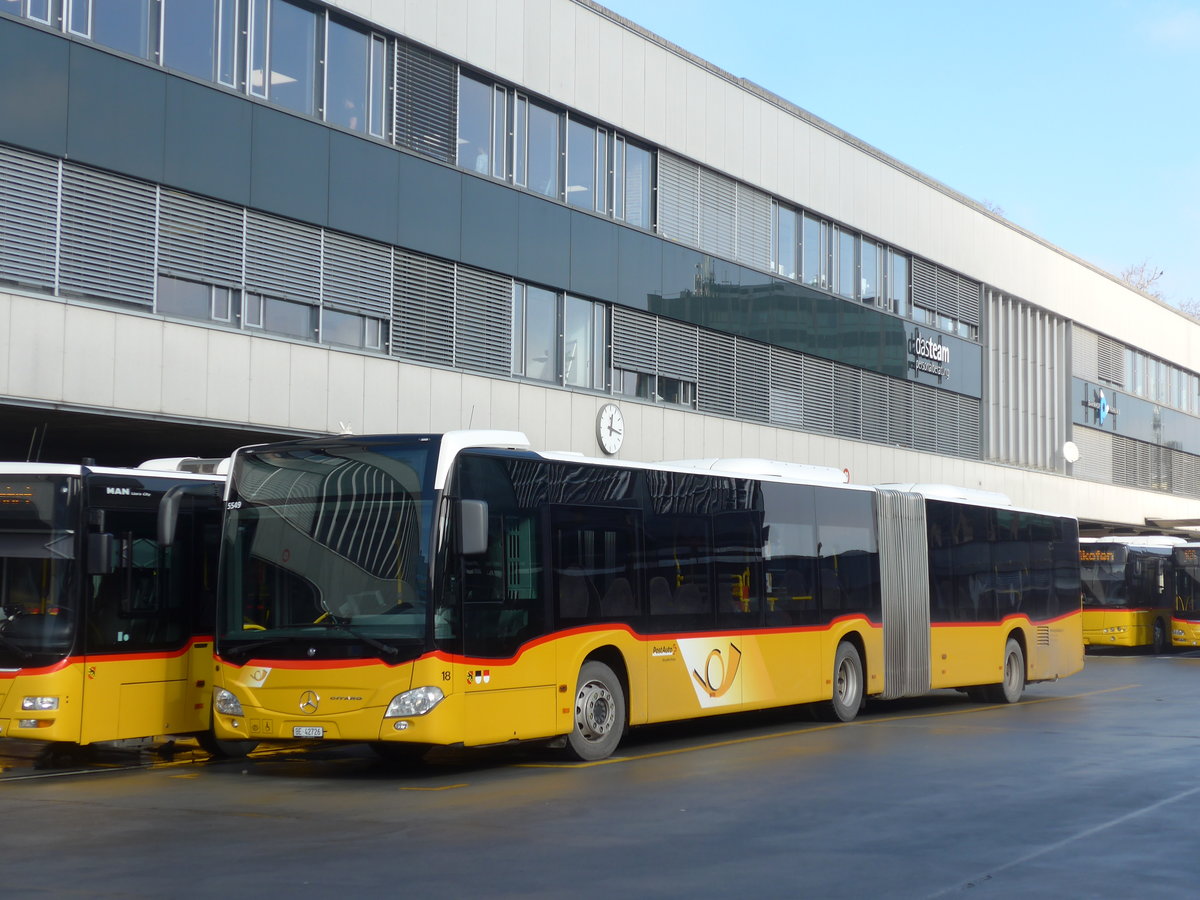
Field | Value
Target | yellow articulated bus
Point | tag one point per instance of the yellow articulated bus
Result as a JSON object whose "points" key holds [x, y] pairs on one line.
{"points": [[1128, 590], [460, 589], [1185, 621], [107, 602]]}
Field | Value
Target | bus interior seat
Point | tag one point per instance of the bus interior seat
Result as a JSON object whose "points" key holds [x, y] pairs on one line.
{"points": [[690, 599], [659, 592], [618, 599], [574, 594]]}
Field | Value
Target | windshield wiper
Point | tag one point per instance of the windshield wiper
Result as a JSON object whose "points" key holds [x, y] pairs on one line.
{"points": [[257, 645], [385, 650]]}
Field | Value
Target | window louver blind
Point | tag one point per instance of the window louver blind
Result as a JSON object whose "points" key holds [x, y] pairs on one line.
{"points": [[283, 258], [28, 217], [426, 108], [108, 236], [678, 199], [357, 275], [483, 322], [200, 239], [423, 311]]}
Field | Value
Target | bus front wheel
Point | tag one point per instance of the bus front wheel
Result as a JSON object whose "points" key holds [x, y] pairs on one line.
{"points": [[599, 713], [847, 683]]}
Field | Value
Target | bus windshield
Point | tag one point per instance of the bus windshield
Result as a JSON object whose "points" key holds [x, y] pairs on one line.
{"points": [[1102, 571], [327, 551], [37, 565], [1187, 579]]}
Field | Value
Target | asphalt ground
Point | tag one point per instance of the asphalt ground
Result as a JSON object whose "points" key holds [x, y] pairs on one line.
{"points": [[1087, 788]]}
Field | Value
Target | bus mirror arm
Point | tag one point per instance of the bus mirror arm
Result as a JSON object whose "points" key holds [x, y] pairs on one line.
{"points": [[473, 530], [99, 553], [168, 509]]}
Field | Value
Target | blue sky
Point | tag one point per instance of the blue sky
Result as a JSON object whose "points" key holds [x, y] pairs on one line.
{"points": [[1079, 120]]}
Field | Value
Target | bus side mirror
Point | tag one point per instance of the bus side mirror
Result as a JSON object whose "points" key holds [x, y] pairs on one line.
{"points": [[100, 554], [473, 527]]}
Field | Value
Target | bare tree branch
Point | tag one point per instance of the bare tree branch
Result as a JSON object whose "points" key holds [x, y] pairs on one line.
{"points": [[1143, 277]]}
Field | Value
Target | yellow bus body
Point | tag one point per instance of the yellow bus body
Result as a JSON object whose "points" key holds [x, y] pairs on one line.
{"points": [[666, 678], [1185, 632], [112, 697], [1122, 627]]}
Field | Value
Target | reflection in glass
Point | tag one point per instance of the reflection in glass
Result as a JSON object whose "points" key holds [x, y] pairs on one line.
{"points": [[474, 125], [898, 283], [543, 150], [227, 35], [124, 26], [816, 241], [347, 77], [869, 268], [293, 57], [189, 37], [499, 132], [786, 241], [638, 183], [581, 164], [846, 264], [258, 48], [541, 327]]}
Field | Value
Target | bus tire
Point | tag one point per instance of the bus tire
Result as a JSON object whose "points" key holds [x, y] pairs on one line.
{"points": [[847, 696], [1012, 685], [1159, 641], [599, 713], [214, 746]]}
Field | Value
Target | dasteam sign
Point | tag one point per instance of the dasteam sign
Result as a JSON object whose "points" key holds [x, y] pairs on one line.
{"points": [[928, 355]]}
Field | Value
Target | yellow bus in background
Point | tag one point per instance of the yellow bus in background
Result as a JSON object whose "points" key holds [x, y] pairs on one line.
{"points": [[1128, 591], [106, 602], [460, 589], [1185, 620]]}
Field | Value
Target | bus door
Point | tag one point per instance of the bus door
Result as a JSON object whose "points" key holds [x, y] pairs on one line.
{"points": [[137, 630], [509, 678]]}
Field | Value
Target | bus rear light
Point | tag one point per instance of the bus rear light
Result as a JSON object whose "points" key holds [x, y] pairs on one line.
{"points": [[416, 702], [40, 704]]}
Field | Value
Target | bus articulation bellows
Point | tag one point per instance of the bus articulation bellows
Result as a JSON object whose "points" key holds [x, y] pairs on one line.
{"points": [[107, 602], [460, 589]]}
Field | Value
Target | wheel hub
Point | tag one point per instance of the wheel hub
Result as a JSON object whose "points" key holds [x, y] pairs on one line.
{"points": [[594, 711]]}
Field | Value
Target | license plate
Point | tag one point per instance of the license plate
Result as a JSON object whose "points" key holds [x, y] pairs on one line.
{"points": [[308, 731]]}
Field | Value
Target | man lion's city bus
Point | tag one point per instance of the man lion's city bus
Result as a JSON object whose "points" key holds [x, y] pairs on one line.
{"points": [[1128, 591], [1185, 622], [106, 602], [460, 589]]}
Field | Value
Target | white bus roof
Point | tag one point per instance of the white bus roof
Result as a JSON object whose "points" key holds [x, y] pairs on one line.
{"points": [[1137, 540]]}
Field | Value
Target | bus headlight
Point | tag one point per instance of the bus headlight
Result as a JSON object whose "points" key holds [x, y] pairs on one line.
{"points": [[226, 703], [41, 704], [416, 702]]}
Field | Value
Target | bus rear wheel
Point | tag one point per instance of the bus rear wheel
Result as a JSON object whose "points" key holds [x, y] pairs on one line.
{"points": [[1012, 685], [847, 684], [599, 713]]}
